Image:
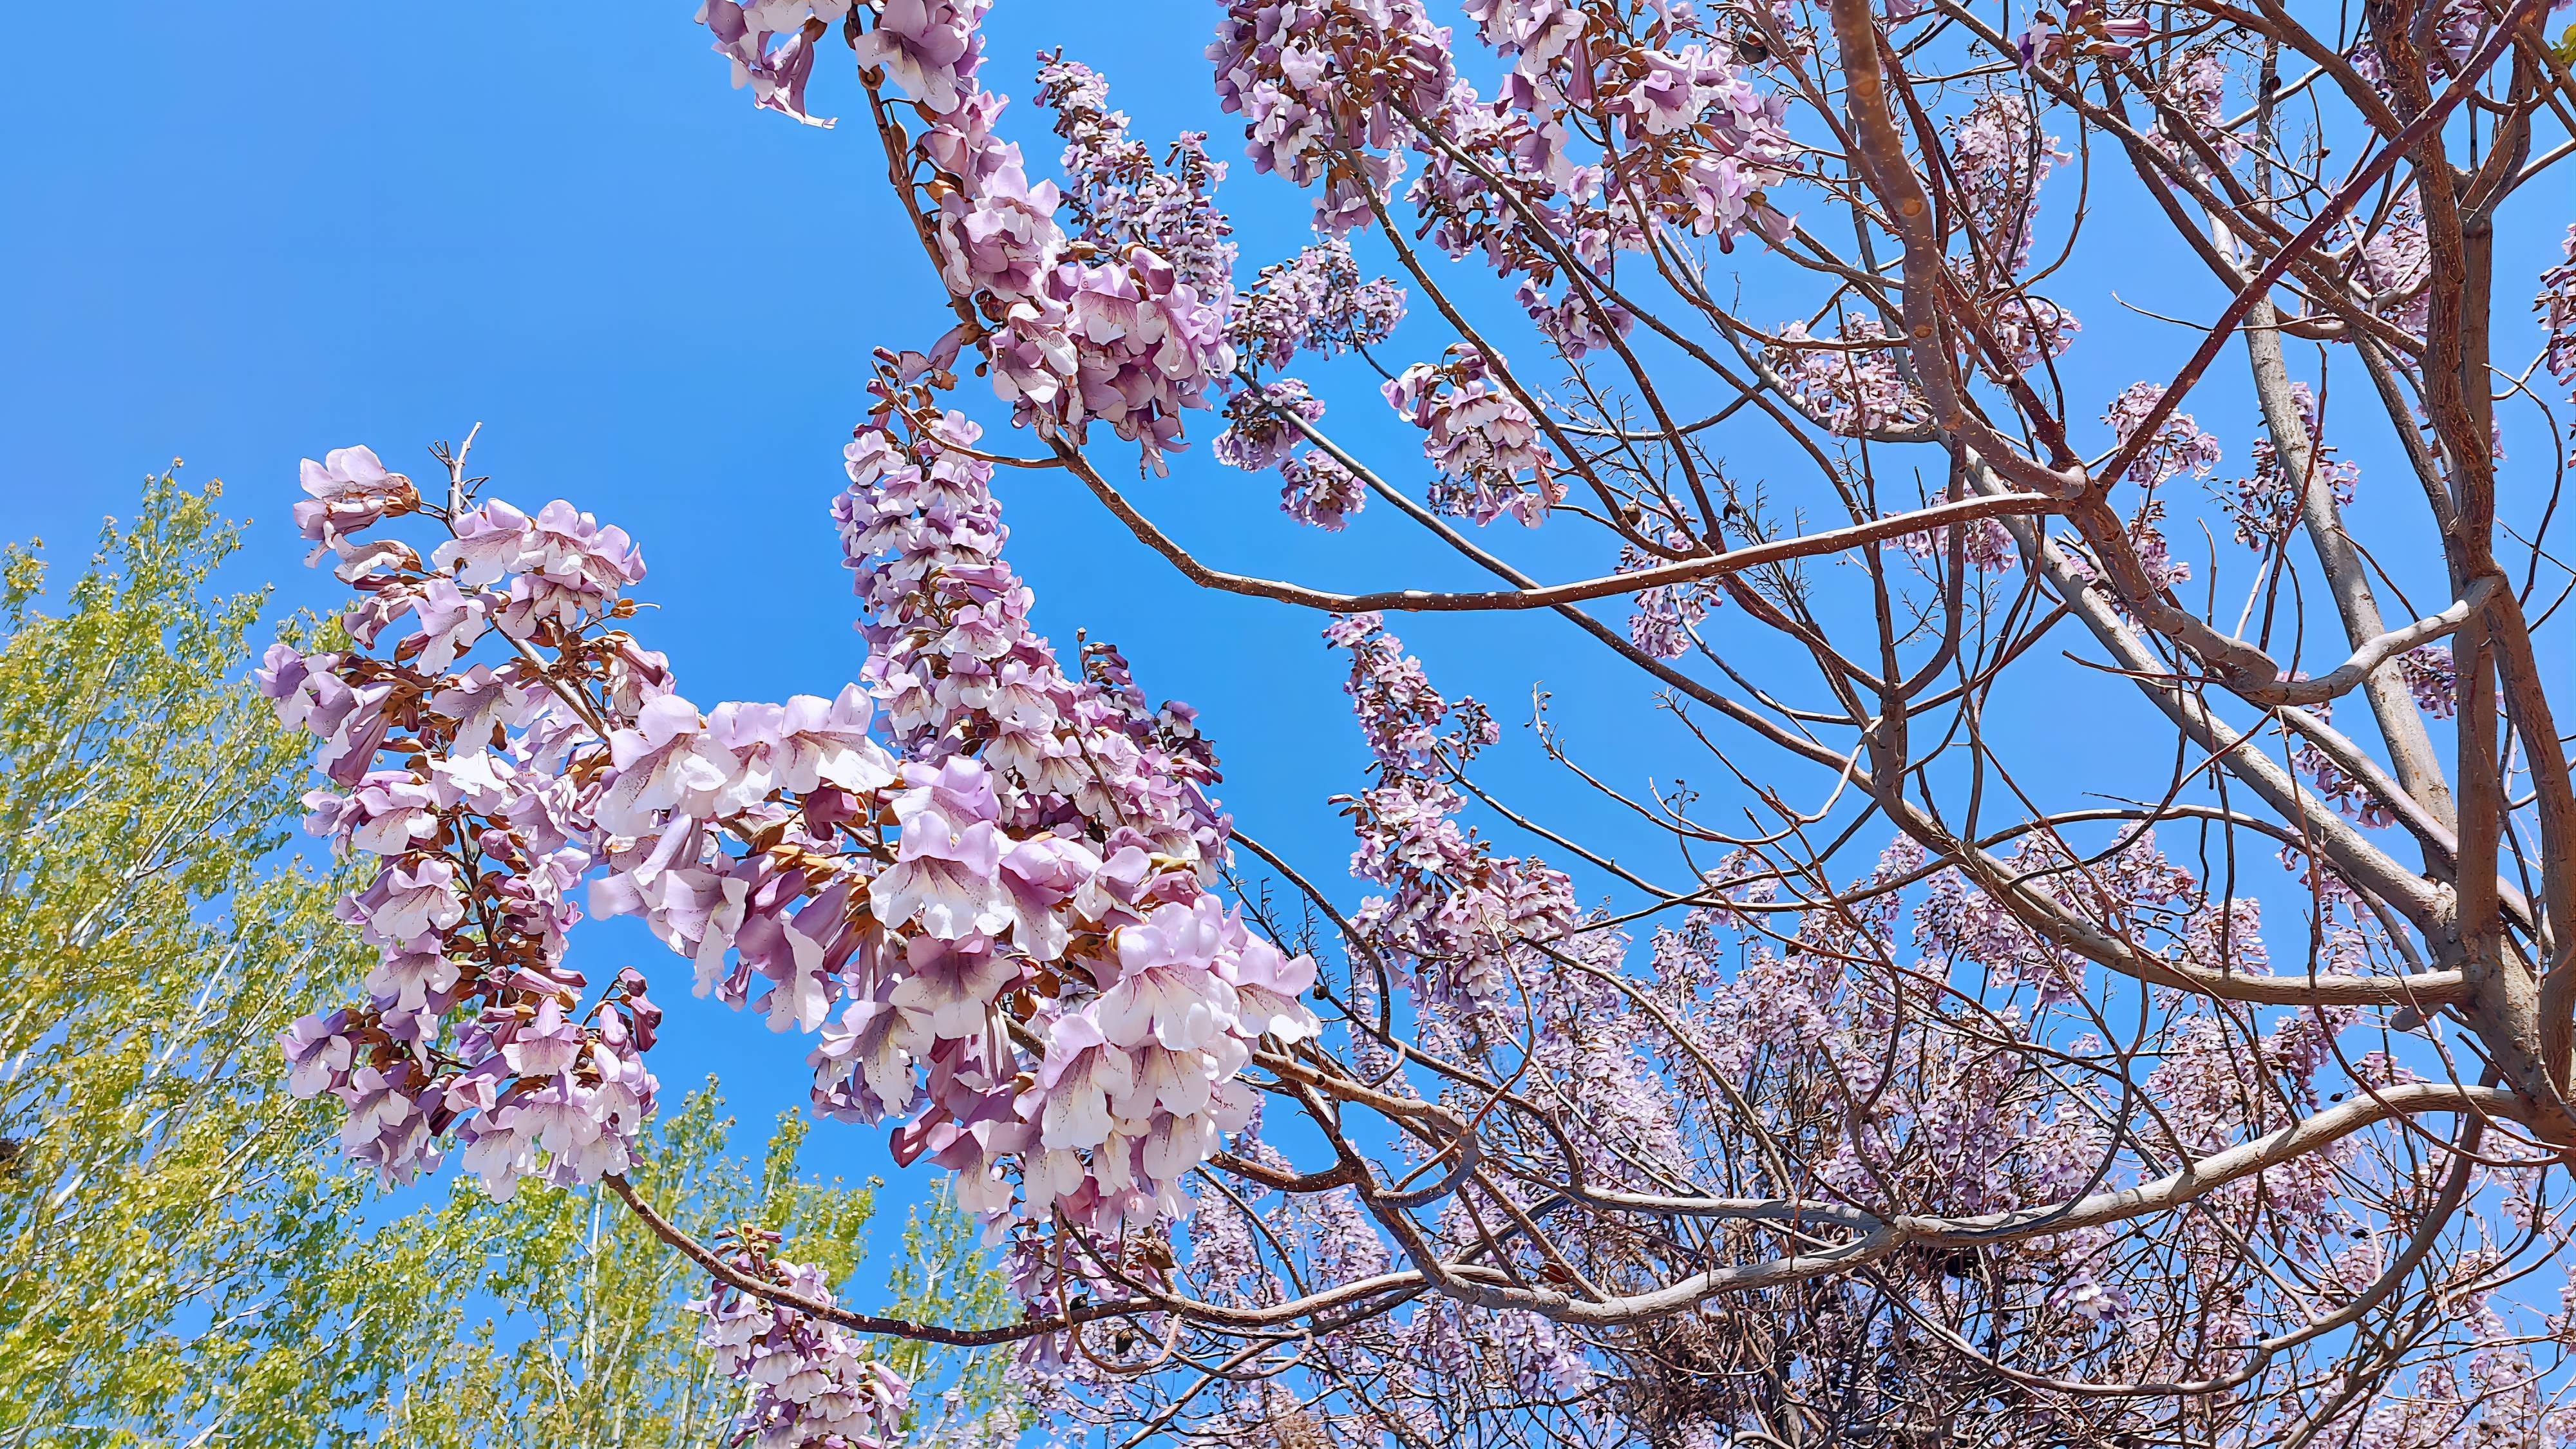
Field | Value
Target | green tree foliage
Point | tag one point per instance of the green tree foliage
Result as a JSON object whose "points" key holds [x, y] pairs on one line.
{"points": [[594, 1349], [182, 1260]]}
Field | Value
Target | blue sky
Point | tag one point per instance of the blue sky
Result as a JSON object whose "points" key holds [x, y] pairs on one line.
{"points": [[243, 244]]}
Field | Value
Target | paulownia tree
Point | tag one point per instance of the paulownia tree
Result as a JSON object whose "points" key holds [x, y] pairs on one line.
{"points": [[1918, 1088]]}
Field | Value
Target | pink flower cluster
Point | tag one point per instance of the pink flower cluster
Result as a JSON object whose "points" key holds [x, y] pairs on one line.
{"points": [[1483, 442], [1984, 545], [1851, 388], [1056, 847], [1313, 302], [1002, 931], [809, 1385], [2498, 1400], [1137, 1083], [349, 491], [1456, 914], [561, 565], [1673, 90], [1703, 140], [957, 667], [472, 1026], [1123, 324], [1324, 86], [1695, 141], [2267, 506], [1531, 33], [1125, 342], [1670, 133], [1499, 168], [1118, 197], [2350, 796], [2216, 1092], [2397, 262], [1258, 435], [770, 46], [2000, 160], [1824, 999], [929, 47], [996, 230], [1962, 922], [1661, 620], [1573, 324], [2196, 90], [2432, 677], [1316, 490], [2177, 446]]}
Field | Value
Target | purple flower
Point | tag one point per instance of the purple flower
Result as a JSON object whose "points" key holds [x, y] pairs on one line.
{"points": [[1484, 443], [775, 69], [404, 903], [2178, 445], [1076, 1084], [545, 1046], [2001, 159], [929, 47], [2268, 506], [1674, 88], [2432, 677], [383, 816], [450, 621], [1260, 435], [999, 238], [387, 1126], [348, 491], [1118, 197], [1268, 986], [489, 543], [413, 978], [1168, 990], [948, 860], [808, 1381], [317, 1052], [1314, 302], [1853, 390], [2556, 305], [1041, 875], [1316, 489], [481, 701], [497, 1155], [825, 742], [351, 723], [863, 1067], [664, 761], [564, 565]]}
